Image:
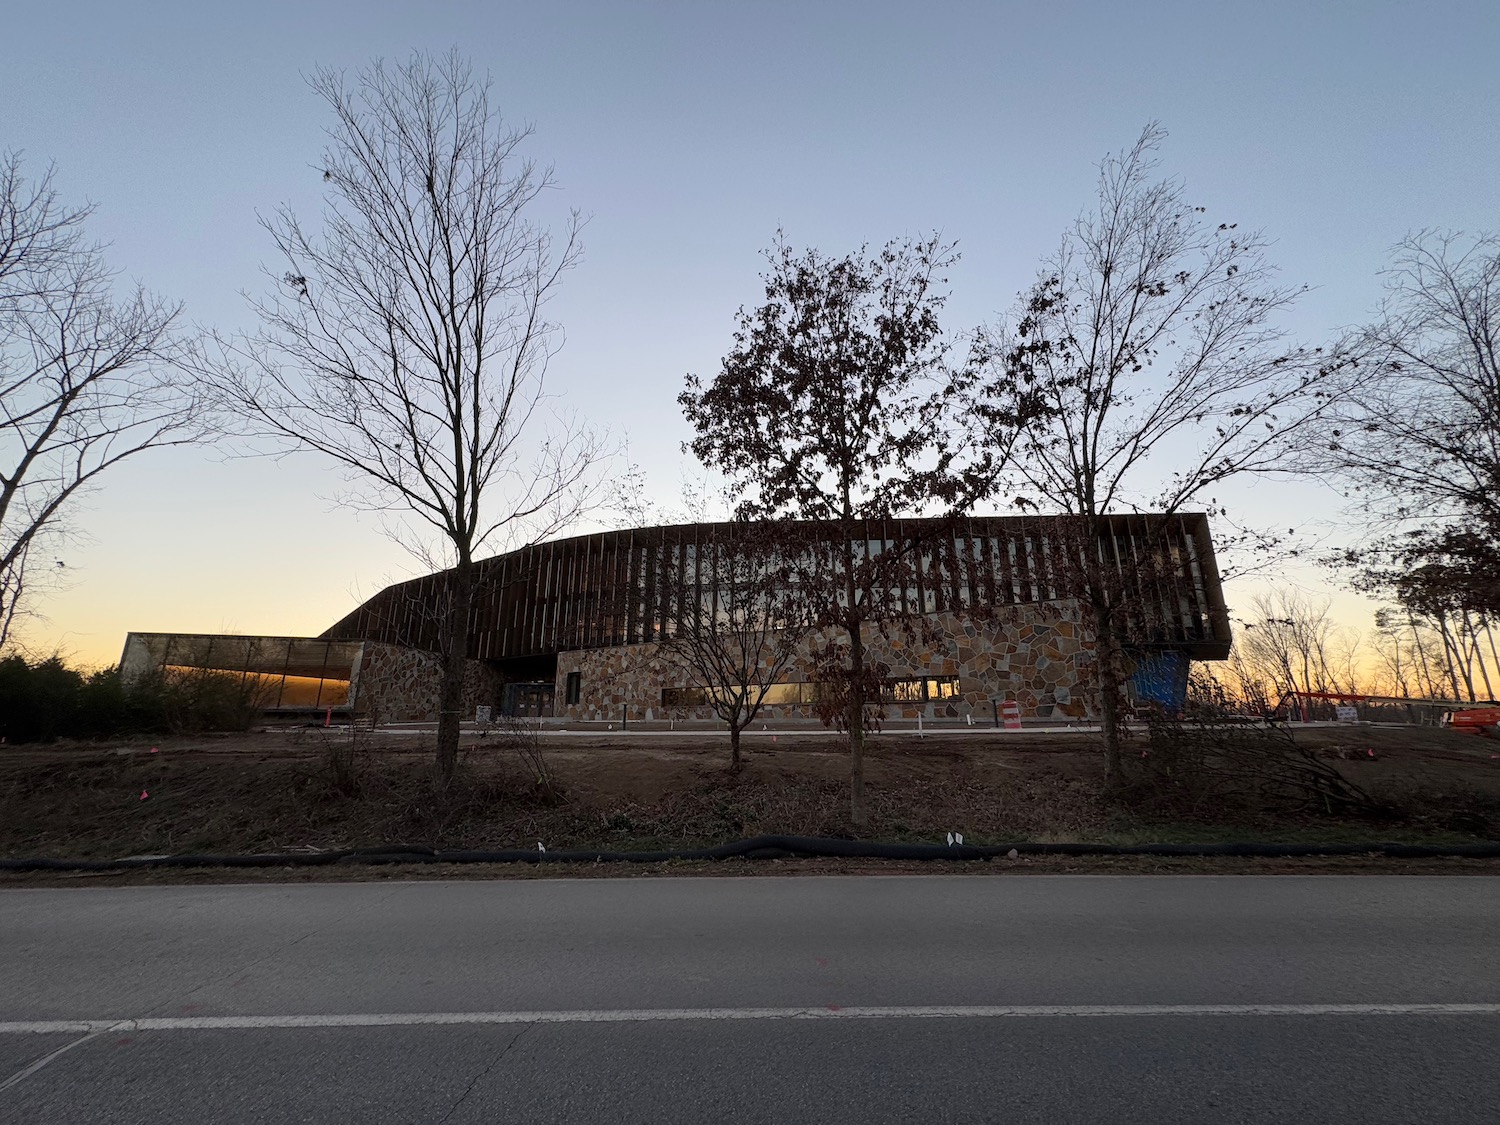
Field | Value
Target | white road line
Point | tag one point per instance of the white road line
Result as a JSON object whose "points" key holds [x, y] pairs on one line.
{"points": [[645, 1015]]}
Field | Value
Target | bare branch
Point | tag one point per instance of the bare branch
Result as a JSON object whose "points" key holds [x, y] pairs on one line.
{"points": [[740, 644], [1145, 367], [1433, 391], [87, 380], [408, 342]]}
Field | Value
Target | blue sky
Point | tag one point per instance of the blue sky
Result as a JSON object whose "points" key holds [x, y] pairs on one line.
{"points": [[688, 133]]}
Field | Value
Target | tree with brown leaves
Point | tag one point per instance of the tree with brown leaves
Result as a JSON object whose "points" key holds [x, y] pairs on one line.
{"points": [[834, 405]]}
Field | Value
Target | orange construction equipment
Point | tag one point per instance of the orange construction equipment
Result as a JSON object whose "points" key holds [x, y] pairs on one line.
{"points": [[1477, 720]]}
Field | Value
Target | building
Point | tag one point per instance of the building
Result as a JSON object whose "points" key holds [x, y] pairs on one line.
{"points": [[572, 627]]}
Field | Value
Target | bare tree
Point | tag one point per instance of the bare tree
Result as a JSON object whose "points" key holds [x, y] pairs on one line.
{"points": [[1150, 338], [1346, 659], [1395, 661], [743, 635], [1434, 391], [1446, 583], [407, 341], [1243, 686], [87, 379], [1433, 398], [833, 405], [1292, 643]]}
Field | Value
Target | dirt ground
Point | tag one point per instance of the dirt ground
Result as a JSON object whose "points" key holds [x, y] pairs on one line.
{"points": [[282, 791]]}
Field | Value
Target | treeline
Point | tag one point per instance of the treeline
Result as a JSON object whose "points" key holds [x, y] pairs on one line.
{"points": [[44, 700], [1288, 641]]}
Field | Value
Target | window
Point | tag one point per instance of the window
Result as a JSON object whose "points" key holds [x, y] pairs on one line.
{"points": [[783, 695], [288, 672], [924, 690], [774, 695], [907, 691], [575, 684], [683, 697]]}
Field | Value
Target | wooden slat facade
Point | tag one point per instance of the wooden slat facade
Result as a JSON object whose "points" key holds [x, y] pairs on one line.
{"points": [[613, 588]]}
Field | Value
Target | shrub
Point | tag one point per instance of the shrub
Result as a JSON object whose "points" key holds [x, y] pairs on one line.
{"points": [[45, 700], [37, 701], [194, 700], [1210, 762]]}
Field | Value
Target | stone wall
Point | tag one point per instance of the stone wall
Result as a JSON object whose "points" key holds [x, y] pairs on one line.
{"points": [[395, 684], [1038, 655]]}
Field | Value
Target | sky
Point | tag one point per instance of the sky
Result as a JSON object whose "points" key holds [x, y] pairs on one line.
{"points": [[688, 134]]}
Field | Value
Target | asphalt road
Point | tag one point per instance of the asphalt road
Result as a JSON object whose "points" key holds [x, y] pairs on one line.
{"points": [[826, 999]]}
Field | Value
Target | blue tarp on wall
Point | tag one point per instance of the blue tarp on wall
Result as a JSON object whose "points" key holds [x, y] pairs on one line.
{"points": [[1160, 677]]}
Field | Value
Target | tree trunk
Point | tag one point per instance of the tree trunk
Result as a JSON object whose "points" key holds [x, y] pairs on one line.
{"points": [[1416, 640], [734, 749], [1451, 658], [858, 813], [1476, 655], [453, 644], [1111, 683], [1489, 632]]}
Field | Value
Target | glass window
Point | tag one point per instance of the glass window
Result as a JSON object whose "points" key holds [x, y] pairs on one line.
{"points": [[776, 695], [683, 697], [925, 690], [335, 693], [307, 658], [300, 691], [781, 695], [284, 671]]}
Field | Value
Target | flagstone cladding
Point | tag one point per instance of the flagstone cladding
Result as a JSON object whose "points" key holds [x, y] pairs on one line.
{"points": [[1038, 655], [396, 684]]}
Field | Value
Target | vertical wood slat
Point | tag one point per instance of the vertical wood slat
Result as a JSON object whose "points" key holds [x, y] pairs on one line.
{"points": [[616, 587], [589, 606]]}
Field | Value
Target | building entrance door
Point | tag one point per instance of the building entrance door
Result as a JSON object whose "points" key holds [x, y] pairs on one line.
{"points": [[528, 700]]}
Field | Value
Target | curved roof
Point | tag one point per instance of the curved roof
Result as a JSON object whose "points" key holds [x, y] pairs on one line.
{"points": [[610, 587]]}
